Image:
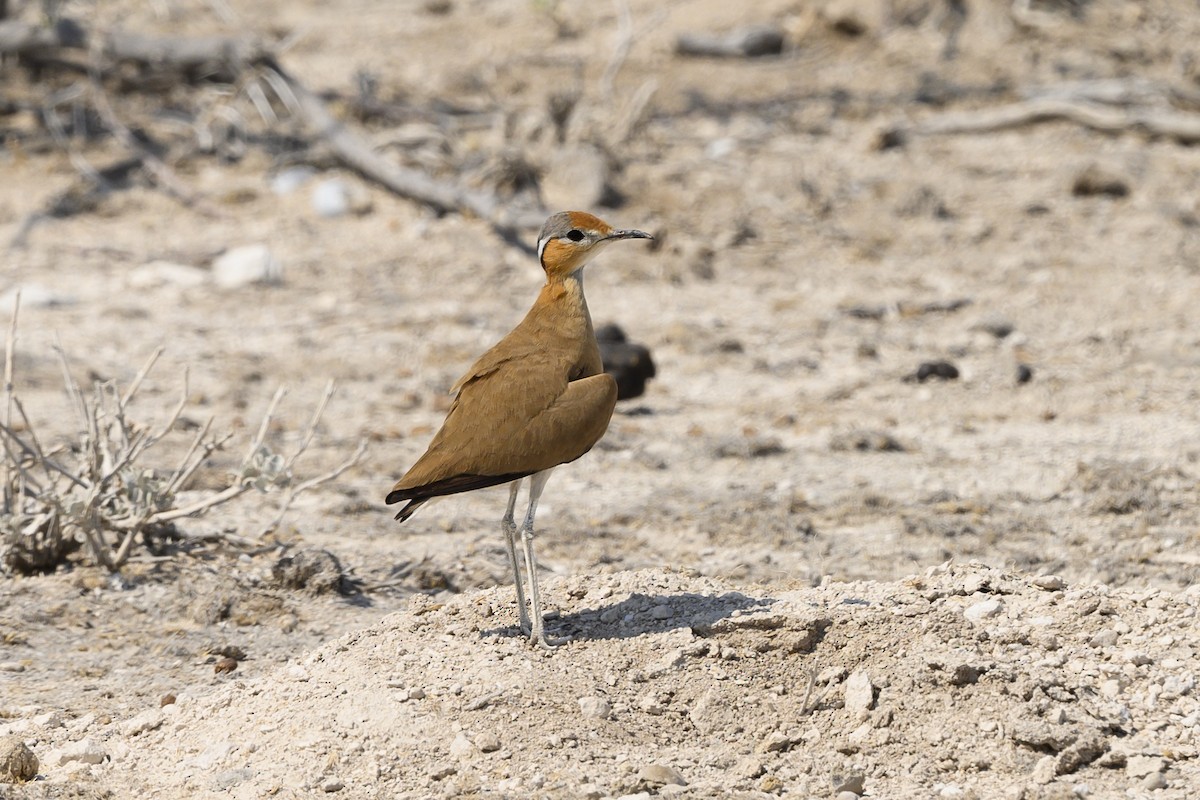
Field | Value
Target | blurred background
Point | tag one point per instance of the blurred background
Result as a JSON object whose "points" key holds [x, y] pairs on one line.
{"points": [[924, 282]]}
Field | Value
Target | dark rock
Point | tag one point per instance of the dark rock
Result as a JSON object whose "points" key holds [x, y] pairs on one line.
{"points": [[935, 369], [1024, 373], [629, 363], [315, 571], [750, 42], [866, 441], [1096, 180]]}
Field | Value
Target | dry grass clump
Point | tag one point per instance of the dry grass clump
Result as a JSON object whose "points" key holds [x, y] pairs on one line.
{"points": [[99, 493]]}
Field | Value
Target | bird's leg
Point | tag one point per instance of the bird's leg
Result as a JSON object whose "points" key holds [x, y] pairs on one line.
{"points": [[509, 524], [538, 635]]}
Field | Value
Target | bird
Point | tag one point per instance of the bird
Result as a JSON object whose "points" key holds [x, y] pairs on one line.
{"points": [[537, 399]]}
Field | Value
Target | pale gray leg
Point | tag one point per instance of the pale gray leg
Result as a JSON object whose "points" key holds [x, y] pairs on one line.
{"points": [[509, 524], [537, 636]]}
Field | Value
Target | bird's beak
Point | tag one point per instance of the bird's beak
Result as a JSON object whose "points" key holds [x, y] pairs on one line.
{"points": [[631, 234]]}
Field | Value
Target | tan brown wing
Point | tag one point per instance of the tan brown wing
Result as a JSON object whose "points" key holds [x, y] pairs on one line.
{"points": [[511, 419]]}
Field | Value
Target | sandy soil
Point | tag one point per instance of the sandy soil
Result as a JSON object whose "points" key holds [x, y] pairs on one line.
{"points": [[778, 507]]}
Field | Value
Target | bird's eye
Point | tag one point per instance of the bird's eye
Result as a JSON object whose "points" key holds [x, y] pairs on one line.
{"points": [[575, 235]]}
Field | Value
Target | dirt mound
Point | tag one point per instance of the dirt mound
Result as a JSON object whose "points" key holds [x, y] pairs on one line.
{"points": [[966, 682]]}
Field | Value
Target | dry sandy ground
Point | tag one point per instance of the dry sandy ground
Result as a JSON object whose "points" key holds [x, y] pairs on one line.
{"points": [[776, 509]]}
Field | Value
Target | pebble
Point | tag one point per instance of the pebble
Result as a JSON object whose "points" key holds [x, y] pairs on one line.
{"points": [[11, 666], [1154, 782], [487, 742], [336, 197], [243, 266], [662, 612], [661, 774], [860, 694], [595, 707], [332, 785], [1046, 770], [17, 762], [775, 742], [461, 747], [148, 720], [85, 751], [985, 609], [51, 719], [34, 295], [289, 180], [1141, 766], [1051, 583]]}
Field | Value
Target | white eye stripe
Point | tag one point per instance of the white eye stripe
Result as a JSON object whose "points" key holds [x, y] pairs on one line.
{"points": [[542, 246]]}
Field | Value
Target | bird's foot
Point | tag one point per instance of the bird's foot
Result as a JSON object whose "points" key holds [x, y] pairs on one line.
{"points": [[539, 639]]}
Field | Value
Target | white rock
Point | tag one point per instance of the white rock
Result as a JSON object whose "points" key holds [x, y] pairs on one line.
{"points": [[595, 707], [1141, 766], [34, 295], [84, 751], [51, 719], [166, 273], [331, 198], [1051, 583], [148, 720], [860, 694], [289, 180], [985, 609], [242, 266], [1045, 770], [461, 747]]}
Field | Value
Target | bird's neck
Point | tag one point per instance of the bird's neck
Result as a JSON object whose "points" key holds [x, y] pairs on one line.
{"points": [[562, 297]]}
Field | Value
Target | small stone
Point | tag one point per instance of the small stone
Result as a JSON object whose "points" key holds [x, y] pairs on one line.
{"points": [[461, 747], [243, 266], [51, 719], [17, 762], [860, 694], [1154, 782], [775, 742], [1105, 638], [655, 775], [332, 785], [167, 700], [770, 784], [985, 609], [1096, 180], [289, 180], [487, 742], [225, 665], [148, 720], [85, 751], [331, 198], [942, 370], [1024, 375], [595, 707], [1051, 583], [749, 767], [1046, 770], [846, 796], [1141, 766], [854, 784], [662, 612], [442, 771], [11, 666]]}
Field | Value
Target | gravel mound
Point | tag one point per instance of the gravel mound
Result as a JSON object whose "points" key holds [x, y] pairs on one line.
{"points": [[965, 682]]}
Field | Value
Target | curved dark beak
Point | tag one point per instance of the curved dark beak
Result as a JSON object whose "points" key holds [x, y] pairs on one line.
{"points": [[630, 234]]}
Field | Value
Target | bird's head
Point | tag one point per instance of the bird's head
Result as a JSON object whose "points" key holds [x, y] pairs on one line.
{"points": [[569, 239]]}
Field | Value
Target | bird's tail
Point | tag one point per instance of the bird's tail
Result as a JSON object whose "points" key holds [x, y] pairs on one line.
{"points": [[410, 508]]}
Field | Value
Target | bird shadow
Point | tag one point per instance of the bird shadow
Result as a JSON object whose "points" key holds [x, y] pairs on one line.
{"points": [[642, 614]]}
